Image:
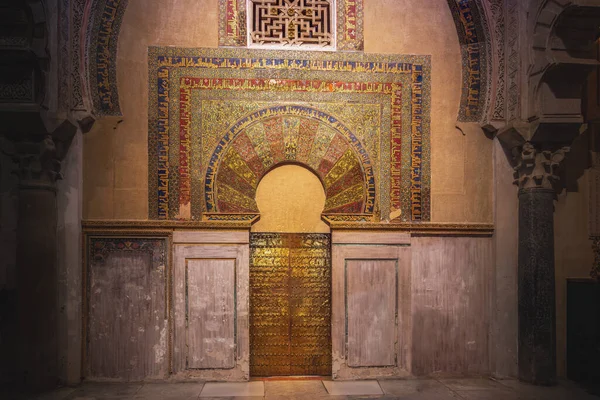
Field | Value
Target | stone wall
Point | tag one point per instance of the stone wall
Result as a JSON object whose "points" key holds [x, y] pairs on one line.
{"points": [[115, 166]]}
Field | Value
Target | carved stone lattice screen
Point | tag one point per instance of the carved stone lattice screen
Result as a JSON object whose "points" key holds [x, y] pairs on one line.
{"points": [[291, 22], [329, 24]]}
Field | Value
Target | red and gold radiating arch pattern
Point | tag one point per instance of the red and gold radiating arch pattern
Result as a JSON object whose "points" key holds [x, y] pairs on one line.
{"points": [[279, 139]]}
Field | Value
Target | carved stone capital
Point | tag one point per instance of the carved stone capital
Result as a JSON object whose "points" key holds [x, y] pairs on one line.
{"points": [[537, 169], [38, 165]]}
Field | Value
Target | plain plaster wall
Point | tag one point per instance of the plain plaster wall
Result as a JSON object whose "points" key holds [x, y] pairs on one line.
{"points": [[116, 161]]}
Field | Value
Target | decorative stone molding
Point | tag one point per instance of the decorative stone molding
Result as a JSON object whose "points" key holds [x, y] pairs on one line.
{"points": [[538, 169], [152, 227], [513, 60]]}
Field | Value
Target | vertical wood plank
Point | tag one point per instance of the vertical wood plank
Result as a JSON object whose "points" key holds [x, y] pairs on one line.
{"points": [[338, 305], [371, 302], [404, 325], [127, 320], [451, 305], [211, 313]]}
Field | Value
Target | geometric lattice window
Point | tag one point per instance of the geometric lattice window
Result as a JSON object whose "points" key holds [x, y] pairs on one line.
{"points": [[285, 23]]}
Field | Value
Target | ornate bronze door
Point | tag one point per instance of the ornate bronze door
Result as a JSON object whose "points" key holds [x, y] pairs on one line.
{"points": [[290, 304]]}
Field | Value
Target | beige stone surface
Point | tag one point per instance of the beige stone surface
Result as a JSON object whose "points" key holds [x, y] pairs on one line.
{"points": [[573, 257], [291, 199], [116, 154], [461, 165], [244, 389], [355, 388]]}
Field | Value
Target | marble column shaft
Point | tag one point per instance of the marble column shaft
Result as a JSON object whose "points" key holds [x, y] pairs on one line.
{"points": [[537, 310]]}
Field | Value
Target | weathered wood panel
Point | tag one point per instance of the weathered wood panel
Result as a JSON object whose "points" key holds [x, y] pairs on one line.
{"points": [[183, 254], [371, 308], [127, 311], [211, 313], [396, 252], [451, 300]]}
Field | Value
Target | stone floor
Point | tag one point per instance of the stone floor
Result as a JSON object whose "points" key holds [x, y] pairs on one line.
{"points": [[415, 389]]}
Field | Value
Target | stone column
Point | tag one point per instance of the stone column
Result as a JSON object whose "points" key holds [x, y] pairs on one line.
{"points": [[535, 176], [36, 264]]}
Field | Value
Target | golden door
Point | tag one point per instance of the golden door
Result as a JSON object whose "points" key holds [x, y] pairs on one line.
{"points": [[290, 304]]}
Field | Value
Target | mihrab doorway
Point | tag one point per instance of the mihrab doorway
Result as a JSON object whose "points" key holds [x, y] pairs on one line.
{"points": [[290, 304], [290, 277]]}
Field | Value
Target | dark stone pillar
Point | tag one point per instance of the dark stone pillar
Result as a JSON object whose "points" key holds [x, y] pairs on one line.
{"points": [[536, 177], [36, 260], [37, 286], [537, 311]]}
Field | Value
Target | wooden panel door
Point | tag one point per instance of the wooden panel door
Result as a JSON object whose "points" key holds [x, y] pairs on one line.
{"points": [[126, 324], [371, 303], [290, 304], [210, 306], [210, 287]]}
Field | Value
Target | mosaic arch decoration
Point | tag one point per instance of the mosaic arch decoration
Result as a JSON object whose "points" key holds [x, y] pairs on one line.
{"points": [[475, 41], [102, 54], [289, 133], [223, 117]]}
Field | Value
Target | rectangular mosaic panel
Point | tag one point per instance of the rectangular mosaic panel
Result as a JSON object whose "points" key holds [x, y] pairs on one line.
{"points": [[290, 304], [199, 96]]}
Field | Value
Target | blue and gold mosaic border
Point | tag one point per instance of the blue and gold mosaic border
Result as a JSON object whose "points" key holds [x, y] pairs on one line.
{"points": [[103, 56], [472, 37], [168, 65]]}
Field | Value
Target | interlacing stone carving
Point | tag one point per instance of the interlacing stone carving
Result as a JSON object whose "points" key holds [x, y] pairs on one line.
{"points": [[537, 169], [291, 22]]}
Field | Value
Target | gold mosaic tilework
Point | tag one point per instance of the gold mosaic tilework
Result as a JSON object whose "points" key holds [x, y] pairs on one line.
{"points": [[290, 304], [199, 95]]}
